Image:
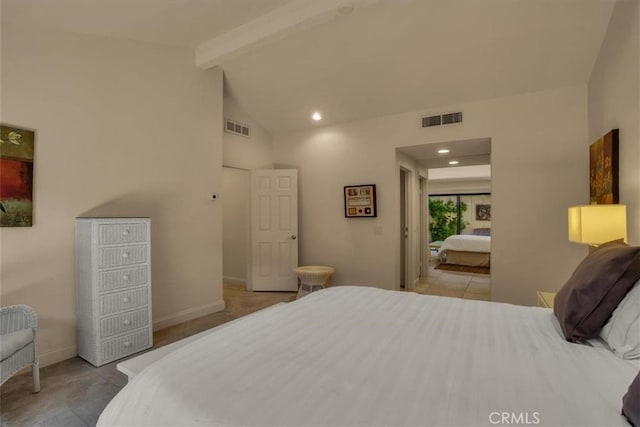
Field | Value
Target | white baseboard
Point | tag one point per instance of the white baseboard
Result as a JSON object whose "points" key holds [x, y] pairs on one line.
{"points": [[188, 314], [234, 280], [55, 356]]}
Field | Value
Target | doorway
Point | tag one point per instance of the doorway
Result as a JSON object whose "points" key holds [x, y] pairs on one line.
{"points": [[260, 228], [453, 167], [235, 224]]}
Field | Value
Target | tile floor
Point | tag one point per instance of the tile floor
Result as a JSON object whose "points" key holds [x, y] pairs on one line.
{"points": [[74, 393], [455, 284]]}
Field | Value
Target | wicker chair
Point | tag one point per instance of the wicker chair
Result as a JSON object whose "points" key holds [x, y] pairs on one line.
{"points": [[18, 325]]}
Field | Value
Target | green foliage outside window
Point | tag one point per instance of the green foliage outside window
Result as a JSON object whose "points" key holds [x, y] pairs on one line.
{"points": [[444, 218]]}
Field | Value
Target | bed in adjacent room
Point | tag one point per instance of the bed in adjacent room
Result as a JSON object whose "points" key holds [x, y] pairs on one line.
{"points": [[466, 249], [348, 356]]}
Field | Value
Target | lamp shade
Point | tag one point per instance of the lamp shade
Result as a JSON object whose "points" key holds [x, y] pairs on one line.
{"points": [[597, 224]]}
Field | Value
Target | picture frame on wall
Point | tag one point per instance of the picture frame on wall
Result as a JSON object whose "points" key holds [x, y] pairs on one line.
{"points": [[360, 201], [16, 176], [483, 212], [603, 170]]}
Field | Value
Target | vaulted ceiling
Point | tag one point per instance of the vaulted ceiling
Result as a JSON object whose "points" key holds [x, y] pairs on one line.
{"points": [[185, 23], [385, 57]]}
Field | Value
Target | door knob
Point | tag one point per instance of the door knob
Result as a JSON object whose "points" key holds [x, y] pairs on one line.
{"points": [[294, 237]]}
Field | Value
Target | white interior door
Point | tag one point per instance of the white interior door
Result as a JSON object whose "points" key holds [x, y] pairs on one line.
{"points": [[274, 230]]}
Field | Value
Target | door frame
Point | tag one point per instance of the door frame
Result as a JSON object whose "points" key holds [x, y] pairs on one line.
{"points": [[247, 243], [403, 230], [423, 208], [409, 264]]}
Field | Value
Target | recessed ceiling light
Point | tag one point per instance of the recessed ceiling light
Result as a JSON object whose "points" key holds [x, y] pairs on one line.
{"points": [[316, 116], [443, 151], [454, 162]]}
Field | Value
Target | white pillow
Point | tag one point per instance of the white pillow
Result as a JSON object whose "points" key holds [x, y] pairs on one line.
{"points": [[622, 330]]}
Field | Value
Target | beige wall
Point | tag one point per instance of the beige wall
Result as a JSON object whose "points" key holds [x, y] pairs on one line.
{"points": [[470, 215], [614, 93], [255, 152], [123, 129], [455, 186], [538, 162]]}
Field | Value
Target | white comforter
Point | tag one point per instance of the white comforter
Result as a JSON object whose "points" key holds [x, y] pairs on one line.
{"points": [[467, 243], [348, 356]]}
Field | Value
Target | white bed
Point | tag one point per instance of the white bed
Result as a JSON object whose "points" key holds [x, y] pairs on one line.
{"points": [[356, 356], [466, 249]]}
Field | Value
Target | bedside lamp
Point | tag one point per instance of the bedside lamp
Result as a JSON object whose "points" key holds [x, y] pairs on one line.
{"points": [[597, 224]]}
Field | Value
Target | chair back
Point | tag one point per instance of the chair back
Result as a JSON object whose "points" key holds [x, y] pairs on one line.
{"points": [[17, 317]]}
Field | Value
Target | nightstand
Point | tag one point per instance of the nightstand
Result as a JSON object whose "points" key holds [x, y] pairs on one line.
{"points": [[313, 276], [545, 299], [434, 246]]}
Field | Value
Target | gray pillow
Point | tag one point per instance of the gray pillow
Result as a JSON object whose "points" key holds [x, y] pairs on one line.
{"points": [[595, 289], [631, 402], [14, 341]]}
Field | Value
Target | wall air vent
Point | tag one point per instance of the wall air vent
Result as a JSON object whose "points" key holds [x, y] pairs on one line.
{"points": [[449, 118], [431, 121], [444, 119], [236, 128]]}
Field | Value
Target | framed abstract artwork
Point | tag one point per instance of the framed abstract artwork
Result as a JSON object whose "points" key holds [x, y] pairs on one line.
{"points": [[16, 176], [483, 212], [360, 201], [603, 170]]}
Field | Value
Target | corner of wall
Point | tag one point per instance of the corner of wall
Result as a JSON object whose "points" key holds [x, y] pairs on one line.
{"points": [[188, 314]]}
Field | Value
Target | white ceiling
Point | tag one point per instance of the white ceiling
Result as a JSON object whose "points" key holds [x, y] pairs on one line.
{"points": [[390, 57], [467, 152], [403, 55], [184, 23]]}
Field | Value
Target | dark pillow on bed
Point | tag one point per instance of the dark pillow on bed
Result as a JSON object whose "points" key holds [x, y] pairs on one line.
{"points": [[631, 402], [482, 232], [595, 288]]}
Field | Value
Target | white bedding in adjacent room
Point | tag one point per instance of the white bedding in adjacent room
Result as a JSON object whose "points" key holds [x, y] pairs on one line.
{"points": [[368, 357], [466, 243]]}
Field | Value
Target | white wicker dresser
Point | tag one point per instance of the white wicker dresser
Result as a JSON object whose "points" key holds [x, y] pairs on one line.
{"points": [[113, 278]]}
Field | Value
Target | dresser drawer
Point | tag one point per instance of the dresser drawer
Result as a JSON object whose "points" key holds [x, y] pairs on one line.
{"points": [[121, 301], [125, 278], [125, 345], [115, 234], [110, 326], [122, 255]]}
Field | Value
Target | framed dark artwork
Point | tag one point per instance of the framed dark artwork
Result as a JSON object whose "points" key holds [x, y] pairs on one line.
{"points": [[483, 212], [360, 201], [603, 170], [16, 176]]}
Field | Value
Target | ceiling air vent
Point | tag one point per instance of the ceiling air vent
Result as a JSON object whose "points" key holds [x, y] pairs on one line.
{"points": [[444, 119], [236, 128]]}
